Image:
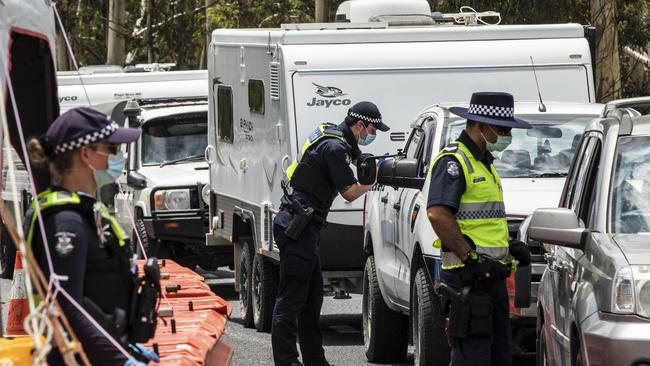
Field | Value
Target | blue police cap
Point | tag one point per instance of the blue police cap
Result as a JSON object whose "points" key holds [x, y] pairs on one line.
{"points": [[83, 126], [369, 113]]}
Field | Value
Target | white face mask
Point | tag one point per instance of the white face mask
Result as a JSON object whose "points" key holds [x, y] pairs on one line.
{"points": [[114, 170]]}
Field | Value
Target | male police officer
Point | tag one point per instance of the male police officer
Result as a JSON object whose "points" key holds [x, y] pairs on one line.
{"points": [[316, 178], [466, 210]]}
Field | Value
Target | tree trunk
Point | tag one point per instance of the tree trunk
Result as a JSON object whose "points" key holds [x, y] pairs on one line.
{"points": [[608, 68], [62, 59], [322, 11], [149, 35], [115, 43]]}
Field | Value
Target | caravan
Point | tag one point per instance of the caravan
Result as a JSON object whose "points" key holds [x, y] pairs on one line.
{"points": [[270, 88]]}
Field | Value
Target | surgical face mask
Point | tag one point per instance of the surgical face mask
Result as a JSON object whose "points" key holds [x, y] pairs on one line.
{"points": [[364, 141], [108, 176], [501, 144]]}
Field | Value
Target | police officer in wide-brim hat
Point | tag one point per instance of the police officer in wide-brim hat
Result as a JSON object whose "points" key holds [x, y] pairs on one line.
{"points": [[466, 210], [317, 177], [86, 244]]}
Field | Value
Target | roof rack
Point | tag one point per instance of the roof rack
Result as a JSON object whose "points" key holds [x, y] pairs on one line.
{"points": [[151, 102], [333, 26]]}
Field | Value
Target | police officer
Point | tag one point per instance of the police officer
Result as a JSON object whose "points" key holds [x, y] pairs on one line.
{"points": [[316, 178], [86, 243], [466, 210]]}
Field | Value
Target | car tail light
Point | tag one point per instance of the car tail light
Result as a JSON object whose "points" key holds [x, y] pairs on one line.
{"points": [[623, 291]]}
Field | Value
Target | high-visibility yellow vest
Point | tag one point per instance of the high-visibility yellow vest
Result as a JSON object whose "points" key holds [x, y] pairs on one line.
{"points": [[481, 215], [323, 131], [49, 198]]}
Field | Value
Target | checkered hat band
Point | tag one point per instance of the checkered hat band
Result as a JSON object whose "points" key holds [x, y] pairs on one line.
{"points": [[491, 110], [86, 139], [365, 118]]}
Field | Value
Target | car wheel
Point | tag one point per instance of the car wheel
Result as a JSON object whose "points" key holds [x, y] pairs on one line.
{"points": [[542, 351], [263, 291], [428, 324], [245, 272], [7, 255], [385, 332], [139, 230]]}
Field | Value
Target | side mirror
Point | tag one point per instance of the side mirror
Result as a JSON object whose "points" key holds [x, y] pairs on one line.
{"points": [[367, 169], [558, 226], [400, 173], [136, 180]]}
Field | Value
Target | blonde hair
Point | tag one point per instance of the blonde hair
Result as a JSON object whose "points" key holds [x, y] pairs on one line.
{"points": [[58, 164]]}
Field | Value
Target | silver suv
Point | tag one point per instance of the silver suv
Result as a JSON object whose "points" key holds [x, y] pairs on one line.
{"points": [[594, 297]]}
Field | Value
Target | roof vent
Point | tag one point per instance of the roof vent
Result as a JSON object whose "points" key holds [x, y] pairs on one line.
{"points": [[361, 11]]}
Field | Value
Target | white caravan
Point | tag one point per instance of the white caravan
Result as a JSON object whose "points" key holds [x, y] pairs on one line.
{"points": [[114, 86], [270, 88]]}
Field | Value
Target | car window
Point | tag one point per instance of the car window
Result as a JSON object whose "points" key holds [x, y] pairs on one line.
{"points": [[630, 188], [545, 150], [174, 137], [413, 142], [587, 200], [582, 174], [425, 153]]}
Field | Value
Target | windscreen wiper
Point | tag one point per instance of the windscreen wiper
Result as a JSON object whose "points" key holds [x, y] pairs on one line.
{"points": [[191, 157], [547, 175]]}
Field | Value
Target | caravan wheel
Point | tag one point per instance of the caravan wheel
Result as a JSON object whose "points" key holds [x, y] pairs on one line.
{"points": [[245, 301], [264, 288]]}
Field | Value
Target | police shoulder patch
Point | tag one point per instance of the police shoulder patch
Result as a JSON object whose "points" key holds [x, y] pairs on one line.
{"points": [[64, 244], [453, 170]]}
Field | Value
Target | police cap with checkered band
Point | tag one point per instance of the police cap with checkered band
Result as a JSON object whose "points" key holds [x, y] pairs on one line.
{"points": [[492, 108], [83, 126], [368, 113]]}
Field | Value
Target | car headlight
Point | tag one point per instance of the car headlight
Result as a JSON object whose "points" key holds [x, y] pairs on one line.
{"points": [[205, 194], [631, 292], [175, 199]]}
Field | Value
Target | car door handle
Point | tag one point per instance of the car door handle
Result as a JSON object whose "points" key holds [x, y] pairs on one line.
{"points": [[384, 199], [397, 206]]}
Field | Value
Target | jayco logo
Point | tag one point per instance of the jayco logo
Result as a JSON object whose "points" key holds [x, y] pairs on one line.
{"points": [[328, 92]]}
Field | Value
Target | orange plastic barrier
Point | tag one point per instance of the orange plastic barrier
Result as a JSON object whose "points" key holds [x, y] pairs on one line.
{"points": [[191, 336]]}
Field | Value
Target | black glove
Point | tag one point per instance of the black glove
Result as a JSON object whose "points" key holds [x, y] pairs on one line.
{"points": [[520, 252], [484, 269]]}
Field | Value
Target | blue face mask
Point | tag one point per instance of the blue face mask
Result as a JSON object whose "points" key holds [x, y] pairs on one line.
{"points": [[108, 176], [368, 140]]}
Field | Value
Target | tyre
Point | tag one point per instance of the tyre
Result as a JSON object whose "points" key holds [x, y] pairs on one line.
{"points": [[541, 353], [140, 230], [428, 324], [263, 291], [245, 274], [7, 256], [385, 332]]}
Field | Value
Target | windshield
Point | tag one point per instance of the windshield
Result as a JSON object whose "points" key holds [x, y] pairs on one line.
{"points": [[172, 138], [543, 151], [630, 187]]}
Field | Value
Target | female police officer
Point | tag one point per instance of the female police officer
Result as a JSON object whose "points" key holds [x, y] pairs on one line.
{"points": [[85, 242]]}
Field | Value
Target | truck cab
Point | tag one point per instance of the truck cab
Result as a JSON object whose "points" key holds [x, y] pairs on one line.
{"points": [[163, 201], [402, 265]]}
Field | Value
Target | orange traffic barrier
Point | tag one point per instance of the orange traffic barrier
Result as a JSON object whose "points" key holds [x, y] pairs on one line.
{"points": [[192, 334], [18, 306]]}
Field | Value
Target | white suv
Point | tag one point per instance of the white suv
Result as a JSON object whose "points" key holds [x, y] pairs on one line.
{"points": [[402, 265], [166, 182]]}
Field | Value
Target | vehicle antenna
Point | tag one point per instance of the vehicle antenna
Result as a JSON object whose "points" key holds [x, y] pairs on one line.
{"points": [[542, 107]]}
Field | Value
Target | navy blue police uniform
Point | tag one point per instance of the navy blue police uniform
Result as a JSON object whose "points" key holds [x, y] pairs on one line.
{"points": [[322, 172], [479, 322], [447, 173], [87, 246]]}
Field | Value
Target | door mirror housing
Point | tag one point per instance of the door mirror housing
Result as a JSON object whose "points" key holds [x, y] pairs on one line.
{"points": [[136, 180], [400, 173], [557, 226]]}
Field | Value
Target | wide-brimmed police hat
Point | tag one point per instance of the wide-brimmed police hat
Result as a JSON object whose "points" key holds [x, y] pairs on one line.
{"points": [[83, 126], [492, 108], [369, 113]]}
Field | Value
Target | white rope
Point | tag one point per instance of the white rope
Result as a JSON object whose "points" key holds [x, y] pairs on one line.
{"points": [[44, 327], [54, 278], [471, 13], [69, 48]]}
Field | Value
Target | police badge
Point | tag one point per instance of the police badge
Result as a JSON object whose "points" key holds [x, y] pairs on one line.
{"points": [[452, 169], [64, 243]]}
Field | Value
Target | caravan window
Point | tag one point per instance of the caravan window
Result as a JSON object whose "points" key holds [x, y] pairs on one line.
{"points": [[256, 96], [224, 113]]}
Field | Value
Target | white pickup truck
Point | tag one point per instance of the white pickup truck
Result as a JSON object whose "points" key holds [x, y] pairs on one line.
{"points": [[402, 265]]}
